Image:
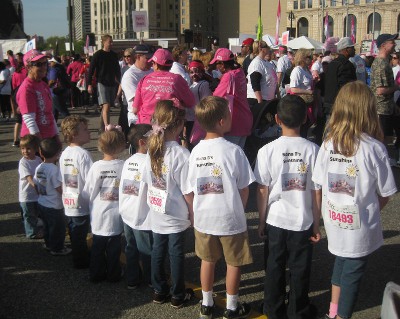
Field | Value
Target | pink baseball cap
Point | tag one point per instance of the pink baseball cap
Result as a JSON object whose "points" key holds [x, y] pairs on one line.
{"points": [[222, 54], [33, 55], [162, 57]]}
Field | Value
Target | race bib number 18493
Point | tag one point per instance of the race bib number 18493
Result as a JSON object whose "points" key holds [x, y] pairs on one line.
{"points": [[343, 216]]}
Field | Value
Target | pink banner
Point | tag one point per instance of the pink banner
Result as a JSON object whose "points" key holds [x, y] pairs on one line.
{"points": [[353, 30], [326, 25], [278, 20]]}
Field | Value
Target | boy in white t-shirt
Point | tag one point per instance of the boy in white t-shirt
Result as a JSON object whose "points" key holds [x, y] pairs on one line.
{"points": [[49, 186], [135, 211], [219, 175], [289, 212], [28, 196], [74, 165]]}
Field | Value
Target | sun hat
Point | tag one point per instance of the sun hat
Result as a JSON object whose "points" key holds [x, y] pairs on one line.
{"points": [[32, 56], [53, 60], [222, 54], [162, 57], [344, 43]]}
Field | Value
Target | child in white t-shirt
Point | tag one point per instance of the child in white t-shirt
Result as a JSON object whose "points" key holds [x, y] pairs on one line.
{"points": [[49, 186], [75, 162], [165, 173], [289, 212], [134, 211], [27, 194], [354, 171], [100, 199], [219, 176]]}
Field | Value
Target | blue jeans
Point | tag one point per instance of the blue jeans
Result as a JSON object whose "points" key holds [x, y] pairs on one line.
{"points": [[54, 226], [347, 274], [104, 258], [138, 248], [30, 213], [78, 229], [174, 245]]}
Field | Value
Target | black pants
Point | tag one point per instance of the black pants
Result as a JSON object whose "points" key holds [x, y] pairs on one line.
{"points": [[78, 229], [5, 103], [295, 248]]}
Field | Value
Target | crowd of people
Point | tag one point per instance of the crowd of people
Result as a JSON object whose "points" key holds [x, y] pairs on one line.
{"points": [[186, 116]]}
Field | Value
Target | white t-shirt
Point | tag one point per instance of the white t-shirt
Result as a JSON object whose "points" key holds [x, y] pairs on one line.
{"points": [[301, 78], [5, 88], [129, 82], [47, 179], [178, 68], [286, 166], [317, 66], [283, 64], [75, 163], [353, 184], [168, 209], [200, 90], [269, 79], [217, 170], [100, 197], [133, 205], [27, 167]]}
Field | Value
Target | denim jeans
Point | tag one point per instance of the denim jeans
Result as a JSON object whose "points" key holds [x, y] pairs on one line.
{"points": [[104, 258], [138, 248], [174, 245], [30, 214], [78, 229], [54, 226], [347, 274], [293, 247]]}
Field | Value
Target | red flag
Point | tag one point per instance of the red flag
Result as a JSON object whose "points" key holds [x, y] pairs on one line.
{"points": [[326, 25], [353, 30], [278, 20]]}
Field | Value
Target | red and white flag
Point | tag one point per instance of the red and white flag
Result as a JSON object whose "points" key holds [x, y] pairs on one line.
{"points": [[278, 20], [353, 30], [326, 26]]}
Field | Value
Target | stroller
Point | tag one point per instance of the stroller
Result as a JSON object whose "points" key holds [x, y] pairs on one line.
{"points": [[264, 129]]}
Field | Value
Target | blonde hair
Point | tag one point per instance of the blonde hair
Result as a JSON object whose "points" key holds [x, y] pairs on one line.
{"points": [[256, 48], [111, 142], [353, 114], [129, 51], [210, 110], [206, 58], [196, 54], [169, 118], [300, 55], [177, 51], [70, 127]]}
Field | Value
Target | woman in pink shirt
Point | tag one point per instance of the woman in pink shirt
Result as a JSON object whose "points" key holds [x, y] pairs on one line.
{"points": [[34, 98], [74, 70], [233, 82]]}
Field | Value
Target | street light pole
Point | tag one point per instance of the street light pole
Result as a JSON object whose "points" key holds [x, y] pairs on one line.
{"points": [[291, 17], [373, 22], [70, 13], [347, 16], [323, 9]]}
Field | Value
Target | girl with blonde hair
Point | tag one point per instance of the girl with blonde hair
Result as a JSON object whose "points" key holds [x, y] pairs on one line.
{"points": [[353, 168], [165, 173]]}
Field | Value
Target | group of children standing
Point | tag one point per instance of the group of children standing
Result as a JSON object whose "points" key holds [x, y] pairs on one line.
{"points": [[162, 190]]}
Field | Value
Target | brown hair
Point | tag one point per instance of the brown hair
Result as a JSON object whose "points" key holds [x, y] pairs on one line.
{"points": [[353, 114], [177, 51], [105, 37], [210, 110], [111, 142], [169, 118], [31, 141], [138, 132], [70, 127]]}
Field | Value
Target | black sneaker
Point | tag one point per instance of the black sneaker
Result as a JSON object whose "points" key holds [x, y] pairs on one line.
{"points": [[160, 298], [206, 311], [242, 311], [179, 303]]}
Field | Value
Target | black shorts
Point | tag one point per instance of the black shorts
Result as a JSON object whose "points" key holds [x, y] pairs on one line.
{"points": [[387, 124]]}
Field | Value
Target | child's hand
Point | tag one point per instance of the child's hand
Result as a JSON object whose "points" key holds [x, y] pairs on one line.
{"points": [[316, 236], [261, 231]]}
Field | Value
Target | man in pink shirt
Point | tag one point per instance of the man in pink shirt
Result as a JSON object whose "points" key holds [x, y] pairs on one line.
{"points": [[73, 70], [160, 85]]}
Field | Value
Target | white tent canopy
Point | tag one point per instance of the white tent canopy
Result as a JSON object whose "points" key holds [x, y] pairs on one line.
{"points": [[305, 43]]}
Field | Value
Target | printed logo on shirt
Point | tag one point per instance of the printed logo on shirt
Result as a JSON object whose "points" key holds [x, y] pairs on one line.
{"points": [[110, 193], [130, 187], [341, 183], [71, 180], [294, 182], [211, 184]]}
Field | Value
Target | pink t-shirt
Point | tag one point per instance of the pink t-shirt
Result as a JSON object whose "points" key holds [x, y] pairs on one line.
{"points": [[160, 85], [18, 78], [74, 70], [242, 118], [35, 97]]}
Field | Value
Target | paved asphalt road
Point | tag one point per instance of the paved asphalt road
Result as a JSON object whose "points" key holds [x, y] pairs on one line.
{"points": [[34, 284]]}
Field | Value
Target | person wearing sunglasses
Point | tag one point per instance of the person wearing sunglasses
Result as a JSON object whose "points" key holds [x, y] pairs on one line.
{"points": [[34, 99]]}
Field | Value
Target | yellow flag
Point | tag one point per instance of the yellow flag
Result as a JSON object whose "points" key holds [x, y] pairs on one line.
{"points": [[259, 29]]}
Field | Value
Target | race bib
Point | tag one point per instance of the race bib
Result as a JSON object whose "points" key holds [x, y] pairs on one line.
{"points": [[343, 216], [156, 199], [70, 200]]}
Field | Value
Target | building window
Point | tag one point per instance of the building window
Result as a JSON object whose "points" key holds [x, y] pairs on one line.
{"points": [[374, 24], [295, 5], [183, 12], [183, 21], [302, 4], [333, 3], [141, 4], [302, 27], [95, 9], [350, 26], [310, 3], [183, 3]]}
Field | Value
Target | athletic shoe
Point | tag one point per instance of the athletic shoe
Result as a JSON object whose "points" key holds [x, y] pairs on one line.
{"points": [[242, 311], [206, 311], [63, 252], [179, 303], [326, 317], [160, 298]]}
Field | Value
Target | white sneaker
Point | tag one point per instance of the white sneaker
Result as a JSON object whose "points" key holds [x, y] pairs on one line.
{"points": [[63, 252]]}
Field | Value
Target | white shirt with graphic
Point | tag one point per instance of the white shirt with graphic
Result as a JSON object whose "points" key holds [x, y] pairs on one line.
{"points": [[75, 163], [218, 169], [100, 197], [168, 208], [47, 179], [27, 167], [350, 189], [286, 166], [133, 205]]}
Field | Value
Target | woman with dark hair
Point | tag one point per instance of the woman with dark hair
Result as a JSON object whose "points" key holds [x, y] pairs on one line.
{"points": [[233, 83]]}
